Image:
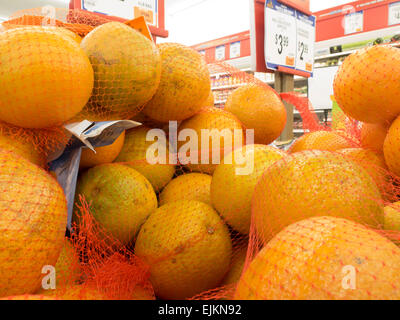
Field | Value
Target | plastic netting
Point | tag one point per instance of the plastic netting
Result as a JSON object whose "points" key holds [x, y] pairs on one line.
{"points": [[197, 203]]}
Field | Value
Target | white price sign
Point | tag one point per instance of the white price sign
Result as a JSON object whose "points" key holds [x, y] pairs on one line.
{"points": [[127, 9], [234, 50], [305, 42], [354, 22], [394, 13], [280, 35], [289, 37], [220, 53]]}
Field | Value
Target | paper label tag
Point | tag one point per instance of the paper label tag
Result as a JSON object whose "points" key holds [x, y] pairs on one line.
{"points": [[139, 24], [84, 134]]}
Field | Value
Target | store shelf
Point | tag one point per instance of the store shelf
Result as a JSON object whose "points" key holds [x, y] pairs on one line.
{"points": [[300, 131], [220, 102], [347, 53], [315, 111], [230, 86], [221, 74]]}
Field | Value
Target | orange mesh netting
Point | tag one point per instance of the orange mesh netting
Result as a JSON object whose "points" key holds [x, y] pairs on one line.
{"points": [[198, 203]]}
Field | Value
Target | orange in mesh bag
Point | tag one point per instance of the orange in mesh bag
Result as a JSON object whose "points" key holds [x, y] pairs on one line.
{"points": [[234, 181], [35, 145], [184, 86], [135, 154], [46, 77], [323, 258], [375, 165], [367, 84], [127, 71], [210, 129], [32, 222], [260, 108], [322, 140], [314, 183], [96, 266], [372, 136], [187, 247], [121, 198]]}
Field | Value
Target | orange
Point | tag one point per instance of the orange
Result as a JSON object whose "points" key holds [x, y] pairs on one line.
{"points": [[62, 30], [210, 100], [142, 293], [324, 258], [106, 154], [22, 148], [232, 190], [214, 129], [191, 186], [184, 87], [367, 83], [310, 184], [121, 199], [373, 136], [66, 32], [46, 77], [127, 69], [373, 163], [77, 292], [135, 154], [392, 217], [29, 297], [321, 140], [68, 268], [258, 107], [237, 265], [187, 247], [391, 147], [32, 224]]}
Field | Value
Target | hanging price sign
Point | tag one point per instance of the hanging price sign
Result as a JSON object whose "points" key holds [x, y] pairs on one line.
{"points": [[305, 42], [353, 22], [394, 13], [280, 35], [127, 9], [289, 37]]}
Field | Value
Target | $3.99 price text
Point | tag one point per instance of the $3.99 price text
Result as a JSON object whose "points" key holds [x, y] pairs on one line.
{"points": [[281, 42]]}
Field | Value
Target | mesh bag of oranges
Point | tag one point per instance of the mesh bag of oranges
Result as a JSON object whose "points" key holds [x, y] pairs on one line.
{"points": [[325, 217], [197, 203]]}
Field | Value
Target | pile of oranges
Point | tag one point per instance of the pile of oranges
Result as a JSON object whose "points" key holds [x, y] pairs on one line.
{"points": [[258, 223]]}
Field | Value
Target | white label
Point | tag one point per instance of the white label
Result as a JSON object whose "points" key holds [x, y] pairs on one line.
{"points": [[305, 46], [353, 22], [127, 9], [280, 38], [234, 51], [220, 53], [394, 13]]}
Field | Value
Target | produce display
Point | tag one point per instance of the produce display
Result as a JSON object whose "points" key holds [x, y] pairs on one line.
{"points": [[195, 202]]}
